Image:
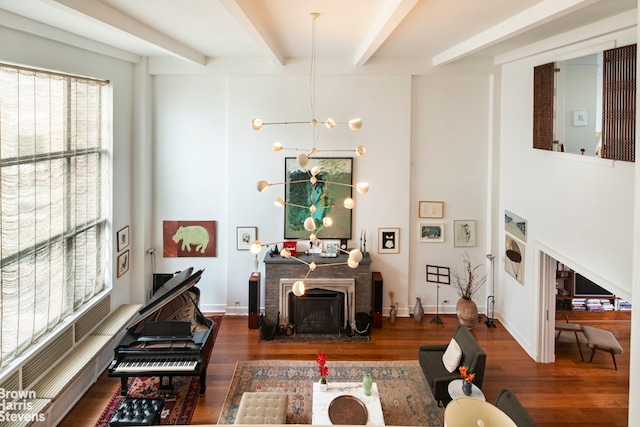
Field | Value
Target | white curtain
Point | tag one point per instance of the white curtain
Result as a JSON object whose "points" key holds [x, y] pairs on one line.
{"points": [[53, 129]]}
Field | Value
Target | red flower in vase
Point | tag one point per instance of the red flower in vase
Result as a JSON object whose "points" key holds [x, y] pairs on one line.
{"points": [[321, 360]]}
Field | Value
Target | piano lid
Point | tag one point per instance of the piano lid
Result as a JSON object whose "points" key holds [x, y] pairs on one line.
{"points": [[178, 284]]}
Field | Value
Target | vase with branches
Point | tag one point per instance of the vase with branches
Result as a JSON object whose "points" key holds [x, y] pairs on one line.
{"points": [[467, 283]]}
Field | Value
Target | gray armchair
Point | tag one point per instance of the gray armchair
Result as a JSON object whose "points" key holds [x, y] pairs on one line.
{"points": [[508, 403], [430, 358]]}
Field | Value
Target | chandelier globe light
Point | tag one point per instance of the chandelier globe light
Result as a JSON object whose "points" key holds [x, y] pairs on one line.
{"points": [[305, 160]]}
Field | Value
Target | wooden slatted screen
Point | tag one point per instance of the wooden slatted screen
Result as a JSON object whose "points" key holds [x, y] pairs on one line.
{"points": [[543, 106], [619, 103]]}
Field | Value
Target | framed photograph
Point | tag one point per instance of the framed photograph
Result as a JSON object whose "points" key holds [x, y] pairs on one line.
{"points": [[464, 233], [331, 246], [429, 209], [315, 246], [432, 233], [333, 185], [122, 236], [245, 236], [123, 263], [388, 240], [515, 225]]}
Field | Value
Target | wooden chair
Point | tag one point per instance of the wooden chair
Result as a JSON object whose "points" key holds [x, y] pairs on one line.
{"points": [[569, 327]]}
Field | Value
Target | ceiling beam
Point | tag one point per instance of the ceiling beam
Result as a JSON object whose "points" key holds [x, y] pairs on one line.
{"points": [[250, 22], [105, 14], [533, 17], [26, 25], [392, 14]]}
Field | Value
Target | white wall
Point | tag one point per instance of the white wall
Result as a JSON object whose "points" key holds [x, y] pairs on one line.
{"points": [[581, 208], [449, 163], [210, 116]]}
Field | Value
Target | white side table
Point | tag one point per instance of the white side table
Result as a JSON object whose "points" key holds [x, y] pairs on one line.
{"points": [[455, 391]]}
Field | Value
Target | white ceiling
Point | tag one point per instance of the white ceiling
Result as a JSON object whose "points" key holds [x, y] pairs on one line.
{"points": [[360, 31]]}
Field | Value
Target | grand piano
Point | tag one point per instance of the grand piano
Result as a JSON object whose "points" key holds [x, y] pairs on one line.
{"points": [[168, 337]]}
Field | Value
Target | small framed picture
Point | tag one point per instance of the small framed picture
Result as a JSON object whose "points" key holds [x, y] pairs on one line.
{"points": [[122, 236], [245, 236], [388, 240], [432, 233], [315, 246], [430, 209], [464, 233], [123, 263], [331, 246]]}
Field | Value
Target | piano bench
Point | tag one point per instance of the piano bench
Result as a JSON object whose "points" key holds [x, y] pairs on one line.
{"points": [[262, 408], [138, 412]]}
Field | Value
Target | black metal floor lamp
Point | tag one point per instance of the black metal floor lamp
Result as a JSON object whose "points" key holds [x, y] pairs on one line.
{"points": [[491, 299]]}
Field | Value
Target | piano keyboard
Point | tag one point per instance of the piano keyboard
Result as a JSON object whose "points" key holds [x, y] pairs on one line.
{"points": [[156, 365]]}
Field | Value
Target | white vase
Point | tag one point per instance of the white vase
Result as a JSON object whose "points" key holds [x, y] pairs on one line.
{"points": [[323, 386]]}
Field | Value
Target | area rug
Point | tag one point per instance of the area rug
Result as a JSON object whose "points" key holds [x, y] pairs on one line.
{"points": [[404, 393], [178, 406]]}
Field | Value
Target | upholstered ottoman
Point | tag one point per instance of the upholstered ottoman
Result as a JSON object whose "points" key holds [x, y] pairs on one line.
{"points": [[599, 339], [262, 408], [138, 412]]}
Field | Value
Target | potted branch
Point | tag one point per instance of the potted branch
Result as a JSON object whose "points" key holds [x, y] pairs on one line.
{"points": [[467, 284]]}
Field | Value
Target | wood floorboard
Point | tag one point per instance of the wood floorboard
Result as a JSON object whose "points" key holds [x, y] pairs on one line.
{"points": [[566, 393]]}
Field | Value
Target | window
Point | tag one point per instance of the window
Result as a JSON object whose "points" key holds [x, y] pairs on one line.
{"points": [[53, 129], [613, 136]]}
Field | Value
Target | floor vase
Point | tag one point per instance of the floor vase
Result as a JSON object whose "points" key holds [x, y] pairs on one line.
{"points": [[418, 311], [467, 312]]}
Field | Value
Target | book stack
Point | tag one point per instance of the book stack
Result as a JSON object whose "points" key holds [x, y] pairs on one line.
{"points": [[594, 304], [623, 305], [578, 304], [606, 305]]}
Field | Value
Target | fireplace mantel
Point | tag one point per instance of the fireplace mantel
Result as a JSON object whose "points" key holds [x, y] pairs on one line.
{"points": [[277, 268]]}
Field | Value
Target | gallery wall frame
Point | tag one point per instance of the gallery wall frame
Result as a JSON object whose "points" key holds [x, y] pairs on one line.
{"points": [[389, 240], [430, 209], [464, 233], [245, 236], [122, 237], [514, 258], [189, 239], [515, 225], [431, 233], [123, 263], [332, 187]]}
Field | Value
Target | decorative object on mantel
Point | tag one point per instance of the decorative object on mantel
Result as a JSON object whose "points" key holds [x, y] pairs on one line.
{"points": [[314, 179], [418, 311], [321, 360], [467, 284]]}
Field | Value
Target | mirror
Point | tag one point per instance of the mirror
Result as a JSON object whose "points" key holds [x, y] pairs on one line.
{"points": [[578, 119]]}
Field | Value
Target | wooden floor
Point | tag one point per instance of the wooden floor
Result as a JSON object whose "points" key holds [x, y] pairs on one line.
{"points": [[566, 393]]}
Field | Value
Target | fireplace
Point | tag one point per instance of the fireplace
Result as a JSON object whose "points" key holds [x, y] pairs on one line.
{"points": [[353, 286], [323, 297], [318, 311]]}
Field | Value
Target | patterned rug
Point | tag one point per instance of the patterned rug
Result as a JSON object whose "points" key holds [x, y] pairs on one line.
{"points": [[178, 407], [404, 393]]}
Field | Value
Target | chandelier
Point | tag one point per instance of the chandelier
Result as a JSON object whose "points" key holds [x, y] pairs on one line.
{"points": [[306, 162]]}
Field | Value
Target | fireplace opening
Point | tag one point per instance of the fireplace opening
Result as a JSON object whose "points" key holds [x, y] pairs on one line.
{"points": [[318, 311]]}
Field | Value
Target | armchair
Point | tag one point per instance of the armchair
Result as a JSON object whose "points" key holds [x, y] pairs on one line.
{"points": [[508, 403], [438, 377]]}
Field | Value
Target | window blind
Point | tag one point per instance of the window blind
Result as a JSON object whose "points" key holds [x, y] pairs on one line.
{"points": [[53, 129]]}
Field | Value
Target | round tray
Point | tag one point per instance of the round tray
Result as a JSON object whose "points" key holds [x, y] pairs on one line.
{"points": [[347, 410]]}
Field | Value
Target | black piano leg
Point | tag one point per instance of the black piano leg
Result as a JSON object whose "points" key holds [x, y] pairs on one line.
{"points": [[203, 382], [124, 386]]}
